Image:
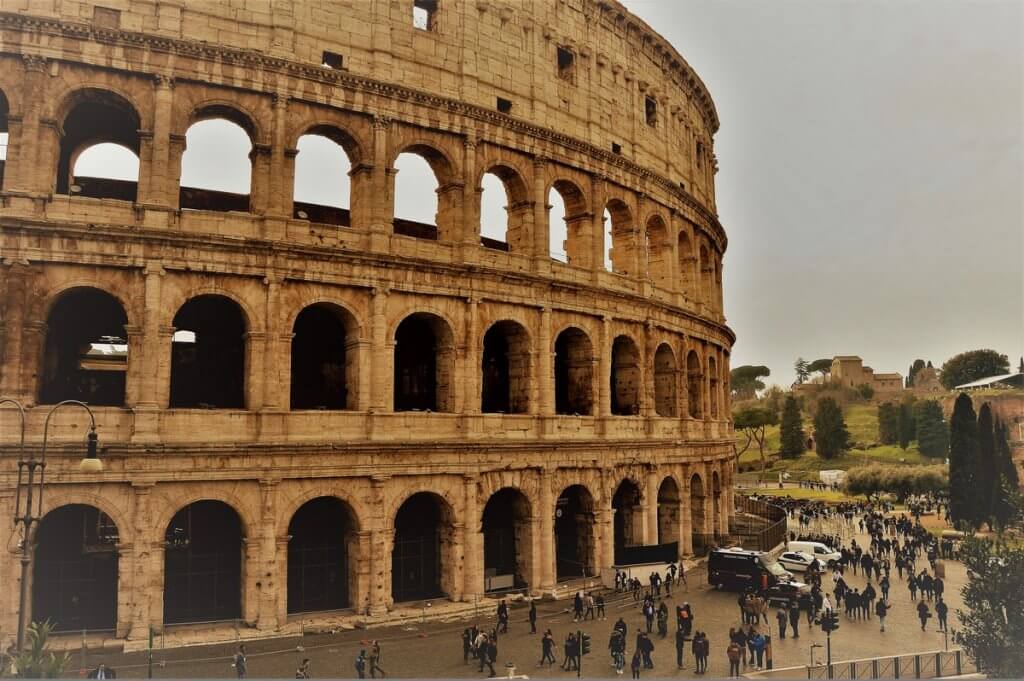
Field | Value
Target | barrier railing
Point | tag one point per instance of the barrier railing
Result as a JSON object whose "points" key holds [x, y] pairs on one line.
{"points": [[772, 526], [929, 665]]}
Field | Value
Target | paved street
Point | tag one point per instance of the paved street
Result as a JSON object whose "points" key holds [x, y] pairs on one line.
{"points": [[435, 650]]}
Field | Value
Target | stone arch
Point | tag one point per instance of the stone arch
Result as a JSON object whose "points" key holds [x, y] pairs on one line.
{"points": [[341, 154], [85, 352], [574, 372], [684, 251], [343, 135], [574, 532], [209, 354], [665, 375], [324, 358], [625, 377], [88, 117], [621, 253], [706, 270], [505, 368], [444, 169], [628, 518], [694, 388], [698, 520], [508, 539], [658, 251], [75, 569], [575, 237], [517, 206], [192, 192], [230, 110], [423, 554], [424, 363], [668, 510], [5, 110], [323, 549], [713, 386]]}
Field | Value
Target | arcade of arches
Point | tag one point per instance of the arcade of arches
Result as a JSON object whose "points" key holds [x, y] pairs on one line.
{"points": [[219, 558]]}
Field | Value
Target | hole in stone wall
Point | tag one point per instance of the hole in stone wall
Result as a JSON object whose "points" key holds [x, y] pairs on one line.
{"points": [[216, 168], [668, 512], [209, 372], [507, 540], [625, 377], [322, 359], [574, 533], [566, 64], [422, 547], [665, 381], [103, 127], [424, 361], [416, 196], [651, 111], [424, 14], [332, 60], [321, 556], [322, 189], [574, 373], [504, 105], [628, 517], [505, 370], [694, 378]]}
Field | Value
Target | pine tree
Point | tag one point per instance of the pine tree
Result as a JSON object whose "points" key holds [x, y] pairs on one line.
{"points": [[791, 431], [986, 476], [830, 432], [932, 433], [1007, 499], [963, 454], [905, 425], [888, 424]]}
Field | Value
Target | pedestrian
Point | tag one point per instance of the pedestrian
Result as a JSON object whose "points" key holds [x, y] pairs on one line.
{"points": [[794, 618], [491, 654], [361, 664], [238, 662], [375, 660], [102, 671], [589, 600], [570, 653], [646, 648], [783, 618], [705, 651], [467, 644], [617, 646], [635, 664], [600, 606], [533, 617], [577, 607], [503, 617], [733, 652], [922, 612], [942, 610], [648, 609], [758, 643], [547, 649], [303, 671], [881, 609], [912, 586]]}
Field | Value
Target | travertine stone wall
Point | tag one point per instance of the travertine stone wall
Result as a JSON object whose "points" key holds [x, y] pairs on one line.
{"points": [[432, 92]]}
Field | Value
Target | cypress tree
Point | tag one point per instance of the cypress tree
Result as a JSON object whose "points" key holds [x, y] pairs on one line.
{"points": [[963, 454], [1005, 503], [905, 425], [888, 424], [791, 430], [932, 434], [830, 432], [986, 476]]}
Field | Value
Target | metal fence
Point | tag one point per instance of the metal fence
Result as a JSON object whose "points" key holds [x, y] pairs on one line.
{"points": [[762, 525], [930, 665]]}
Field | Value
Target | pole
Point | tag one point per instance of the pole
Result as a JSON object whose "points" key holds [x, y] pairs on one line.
{"points": [[828, 651], [25, 555], [579, 652], [149, 654]]}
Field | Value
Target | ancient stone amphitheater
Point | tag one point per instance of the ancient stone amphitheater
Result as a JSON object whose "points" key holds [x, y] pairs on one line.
{"points": [[314, 410]]}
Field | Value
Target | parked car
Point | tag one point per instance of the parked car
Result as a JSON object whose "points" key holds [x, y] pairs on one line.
{"points": [[797, 561], [825, 554], [784, 592]]}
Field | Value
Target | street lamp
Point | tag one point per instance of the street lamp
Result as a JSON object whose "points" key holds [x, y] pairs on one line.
{"points": [[33, 488]]}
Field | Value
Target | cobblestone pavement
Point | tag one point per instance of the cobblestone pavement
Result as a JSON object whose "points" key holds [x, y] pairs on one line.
{"points": [[435, 649]]}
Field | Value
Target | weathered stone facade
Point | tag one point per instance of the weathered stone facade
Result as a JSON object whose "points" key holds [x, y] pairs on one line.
{"points": [[607, 390]]}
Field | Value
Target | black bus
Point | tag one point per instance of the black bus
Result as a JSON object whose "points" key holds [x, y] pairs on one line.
{"points": [[741, 570]]}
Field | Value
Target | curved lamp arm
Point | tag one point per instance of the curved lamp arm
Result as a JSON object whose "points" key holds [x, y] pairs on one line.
{"points": [[91, 452], [21, 454]]}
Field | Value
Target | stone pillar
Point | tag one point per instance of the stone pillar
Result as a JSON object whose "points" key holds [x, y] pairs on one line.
{"points": [[604, 538], [155, 187], [280, 579], [473, 554], [599, 197], [647, 374], [541, 216], [274, 398], [382, 184], [544, 402], [261, 564], [472, 370], [151, 350], [604, 369], [378, 555], [381, 400], [651, 508], [685, 516], [280, 199], [468, 232], [16, 279], [133, 373], [145, 600], [23, 170], [10, 564], [165, 338], [255, 348], [259, 191], [546, 539]]}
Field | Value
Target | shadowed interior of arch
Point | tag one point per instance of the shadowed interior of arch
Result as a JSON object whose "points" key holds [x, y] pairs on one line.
{"points": [[208, 354], [324, 365], [505, 369], [628, 520], [424, 362], [574, 373], [574, 533], [100, 130], [423, 550], [507, 540], [322, 550]]}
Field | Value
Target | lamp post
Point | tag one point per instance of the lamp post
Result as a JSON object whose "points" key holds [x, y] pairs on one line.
{"points": [[31, 513]]}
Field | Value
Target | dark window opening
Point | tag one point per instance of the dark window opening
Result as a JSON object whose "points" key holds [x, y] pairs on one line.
{"points": [[203, 564], [700, 155], [320, 360], [208, 355], [332, 60], [651, 111], [99, 118], [322, 535], [664, 381], [424, 14], [574, 533], [625, 377], [74, 583], [566, 63], [506, 530], [505, 368], [628, 518], [668, 512], [423, 364], [85, 354], [421, 535], [616, 148], [574, 372], [504, 105]]}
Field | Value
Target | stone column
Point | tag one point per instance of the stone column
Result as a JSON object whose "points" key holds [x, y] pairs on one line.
{"points": [[544, 402], [604, 369], [541, 216], [154, 185], [133, 372], [651, 508], [164, 342], [273, 357], [23, 169], [546, 514], [468, 232], [151, 347], [280, 199], [382, 196], [378, 556], [381, 400], [473, 554], [261, 567], [685, 516], [10, 564], [647, 374], [255, 348], [472, 370], [145, 600], [16, 281], [599, 197], [604, 538]]}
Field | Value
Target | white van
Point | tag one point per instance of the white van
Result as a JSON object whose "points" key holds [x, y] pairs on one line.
{"points": [[826, 555]]}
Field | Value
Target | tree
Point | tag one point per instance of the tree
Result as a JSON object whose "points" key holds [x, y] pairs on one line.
{"points": [[899, 480], [914, 368], [971, 366], [801, 369], [746, 381], [830, 434], [865, 391], [1006, 500], [905, 425], [992, 621], [888, 423], [754, 422], [985, 469], [821, 366], [793, 440], [932, 433], [963, 455]]}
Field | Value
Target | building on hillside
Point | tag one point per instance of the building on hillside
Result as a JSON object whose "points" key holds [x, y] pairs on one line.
{"points": [[849, 371], [926, 382]]}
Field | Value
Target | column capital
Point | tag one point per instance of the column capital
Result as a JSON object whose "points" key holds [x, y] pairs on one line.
{"points": [[162, 81]]}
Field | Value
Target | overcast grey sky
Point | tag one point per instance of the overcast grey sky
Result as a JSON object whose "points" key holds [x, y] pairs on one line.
{"points": [[871, 173]]}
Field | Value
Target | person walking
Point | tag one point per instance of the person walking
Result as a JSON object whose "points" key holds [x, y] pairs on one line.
{"points": [[881, 609], [705, 652], [533, 617], [783, 618], [304, 670], [794, 618], [942, 610], [238, 662], [589, 601], [617, 647], [467, 644], [102, 671], [547, 649], [503, 617], [733, 652], [680, 647], [922, 612], [599, 601], [758, 643], [361, 664], [569, 663], [491, 654], [635, 664], [646, 649], [375, 660], [648, 609], [577, 607]]}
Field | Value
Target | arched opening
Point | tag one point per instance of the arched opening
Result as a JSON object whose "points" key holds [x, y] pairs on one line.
{"points": [[622, 238], [494, 213], [718, 282], [668, 511], [656, 243], [506, 369], [570, 239], [697, 521], [99, 147], [322, 188], [85, 354], [208, 355], [686, 258], [574, 373], [216, 168], [716, 506], [324, 363], [629, 518], [625, 377], [4, 134], [713, 387], [423, 548], [74, 576], [423, 204], [693, 385], [574, 533], [322, 547], [707, 272], [507, 540], [203, 564], [424, 362], [665, 381], [608, 240]]}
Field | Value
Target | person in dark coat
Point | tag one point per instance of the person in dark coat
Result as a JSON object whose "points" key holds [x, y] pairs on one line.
{"points": [[238, 661], [503, 617], [794, 618], [942, 610], [680, 647], [102, 672], [547, 649], [646, 647], [783, 618], [533, 617], [922, 612], [467, 644], [491, 654]]}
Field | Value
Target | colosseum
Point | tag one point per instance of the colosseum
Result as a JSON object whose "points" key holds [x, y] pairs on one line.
{"points": [[309, 411]]}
